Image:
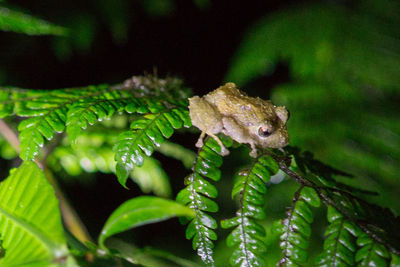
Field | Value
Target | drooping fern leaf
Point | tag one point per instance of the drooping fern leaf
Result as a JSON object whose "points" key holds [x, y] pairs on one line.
{"points": [[197, 194], [340, 243], [371, 253], [250, 187], [297, 227], [146, 134]]}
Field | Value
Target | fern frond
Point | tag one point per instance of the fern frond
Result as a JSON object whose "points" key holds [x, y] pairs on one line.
{"points": [[51, 111], [90, 110], [197, 194], [297, 227], [371, 253], [47, 111], [146, 134], [250, 187], [340, 243]]}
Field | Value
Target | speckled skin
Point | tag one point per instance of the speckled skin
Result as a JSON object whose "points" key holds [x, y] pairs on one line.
{"points": [[230, 111]]}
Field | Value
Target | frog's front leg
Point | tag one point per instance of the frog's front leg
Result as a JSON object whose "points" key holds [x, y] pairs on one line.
{"points": [[253, 152]]}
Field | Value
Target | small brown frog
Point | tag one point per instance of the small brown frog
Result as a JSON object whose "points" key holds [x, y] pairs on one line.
{"points": [[245, 119]]}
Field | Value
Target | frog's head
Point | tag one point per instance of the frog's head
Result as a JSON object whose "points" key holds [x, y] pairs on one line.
{"points": [[272, 132]]}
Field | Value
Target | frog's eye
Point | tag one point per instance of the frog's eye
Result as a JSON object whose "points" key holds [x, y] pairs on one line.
{"points": [[264, 132]]}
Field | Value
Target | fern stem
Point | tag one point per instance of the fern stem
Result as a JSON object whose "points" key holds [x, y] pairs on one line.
{"points": [[242, 217], [208, 256], [289, 227], [334, 252]]}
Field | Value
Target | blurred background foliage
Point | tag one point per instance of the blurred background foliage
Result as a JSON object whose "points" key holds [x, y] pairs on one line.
{"points": [[334, 64]]}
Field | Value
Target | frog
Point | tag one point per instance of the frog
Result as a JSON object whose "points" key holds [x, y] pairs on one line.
{"points": [[245, 119]]}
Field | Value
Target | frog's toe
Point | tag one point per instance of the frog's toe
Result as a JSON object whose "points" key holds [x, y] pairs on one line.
{"points": [[224, 151], [199, 142], [253, 153]]}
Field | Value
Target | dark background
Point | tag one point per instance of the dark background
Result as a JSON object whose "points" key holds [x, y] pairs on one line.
{"points": [[189, 42]]}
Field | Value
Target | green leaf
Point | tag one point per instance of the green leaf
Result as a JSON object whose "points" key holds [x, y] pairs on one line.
{"points": [[97, 108], [309, 195], [296, 230], [15, 21], [49, 111], [371, 253], [147, 133], [141, 211], [30, 221], [340, 243], [247, 235], [197, 194]]}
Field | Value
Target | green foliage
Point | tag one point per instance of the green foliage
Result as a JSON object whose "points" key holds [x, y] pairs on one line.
{"points": [[75, 108], [84, 112], [49, 112], [140, 211], [30, 221], [316, 49], [197, 194], [296, 230], [340, 243], [147, 133], [382, 224], [371, 253], [93, 154], [154, 110], [11, 20], [343, 64], [344, 83], [250, 187]]}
